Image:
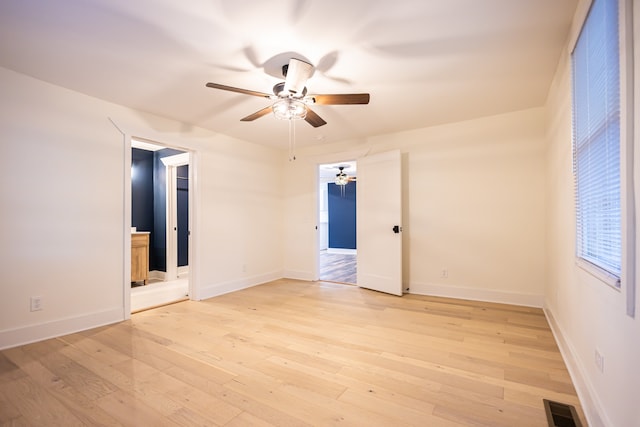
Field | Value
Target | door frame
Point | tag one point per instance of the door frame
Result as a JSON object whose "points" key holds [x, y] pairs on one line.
{"points": [[193, 225], [171, 164], [317, 213], [317, 161]]}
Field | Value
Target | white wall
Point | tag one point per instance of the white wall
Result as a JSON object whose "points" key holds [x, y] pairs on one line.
{"points": [[62, 208], [473, 204], [586, 314]]}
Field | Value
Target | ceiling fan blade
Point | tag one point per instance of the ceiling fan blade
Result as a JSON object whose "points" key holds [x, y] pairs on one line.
{"points": [[341, 99], [298, 72], [313, 119], [258, 114], [236, 89]]}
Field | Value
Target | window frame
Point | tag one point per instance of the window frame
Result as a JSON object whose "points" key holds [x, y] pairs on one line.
{"points": [[626, 282], [591, 141]]}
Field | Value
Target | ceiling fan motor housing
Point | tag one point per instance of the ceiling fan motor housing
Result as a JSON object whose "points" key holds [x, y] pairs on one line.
{"points": [[297, 74], [281, 92]]}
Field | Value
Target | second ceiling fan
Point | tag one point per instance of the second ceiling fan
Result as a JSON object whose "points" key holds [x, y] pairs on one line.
{"points": [[290, 97]]}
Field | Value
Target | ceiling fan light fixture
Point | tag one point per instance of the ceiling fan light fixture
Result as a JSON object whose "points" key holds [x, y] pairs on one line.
{"points": [[289, 109], [341, 177]]}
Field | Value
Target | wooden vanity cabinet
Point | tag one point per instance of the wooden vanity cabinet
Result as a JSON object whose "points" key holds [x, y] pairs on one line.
{"points": [[139, 257]]}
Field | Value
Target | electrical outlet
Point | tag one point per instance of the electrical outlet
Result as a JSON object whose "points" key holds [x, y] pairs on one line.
{"points": [[36, 303], [599, 359], [444, 273]]}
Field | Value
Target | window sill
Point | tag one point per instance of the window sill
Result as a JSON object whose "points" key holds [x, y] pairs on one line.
{"points": [[600, 274]]}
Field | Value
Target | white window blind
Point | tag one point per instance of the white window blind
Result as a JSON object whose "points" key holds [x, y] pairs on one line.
{"points": [[596, 132]]}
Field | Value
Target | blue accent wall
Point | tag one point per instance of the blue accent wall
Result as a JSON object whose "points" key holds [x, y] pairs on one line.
{"points": [[148, 204], [342, 216], [142, 194]]}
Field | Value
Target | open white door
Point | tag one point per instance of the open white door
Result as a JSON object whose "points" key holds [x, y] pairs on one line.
{"points": [[171, 163], [379, 228]]}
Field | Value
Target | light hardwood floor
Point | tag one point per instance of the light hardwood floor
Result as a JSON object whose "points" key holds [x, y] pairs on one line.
{"points": [[292, 353], [337, 267]]}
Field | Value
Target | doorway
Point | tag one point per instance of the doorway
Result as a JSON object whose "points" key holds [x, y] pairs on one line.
{"points": [[337, 251], [160, 209]]}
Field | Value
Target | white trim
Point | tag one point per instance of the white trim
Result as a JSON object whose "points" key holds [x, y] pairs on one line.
{"points": [[632, 297], [145, 145], [475, 294], [591, 406], [59, 327], [171, 221], [157, 275], [307, 276], [194, 209], [319, 160], [162, 276], [342, 251], [145, 133], [176, 160], [171, 164], [627, 155], [600, 274], [217, 289], [126, 222], [626, 283], [316, 236]]}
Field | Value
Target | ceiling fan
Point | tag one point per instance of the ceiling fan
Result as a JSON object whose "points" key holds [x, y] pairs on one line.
{"points": [[290, 97], [342, 178]]}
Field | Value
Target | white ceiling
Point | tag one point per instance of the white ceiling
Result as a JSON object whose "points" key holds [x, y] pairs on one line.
{"points": [[424, 62]]}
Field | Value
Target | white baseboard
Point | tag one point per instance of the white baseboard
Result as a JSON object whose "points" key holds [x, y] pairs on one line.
{"points": [[342, 251], [157, 275], [298, 275], [236, 285], [588, 399], [55, 328], [162, 275], [475, 294]]}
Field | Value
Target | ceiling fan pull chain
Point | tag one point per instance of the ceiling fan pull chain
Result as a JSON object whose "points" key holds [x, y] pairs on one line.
{"points": [[290, 124], [292, 139]]}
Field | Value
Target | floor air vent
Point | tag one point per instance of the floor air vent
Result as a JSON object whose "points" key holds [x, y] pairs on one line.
{"points": [[561, 414]]}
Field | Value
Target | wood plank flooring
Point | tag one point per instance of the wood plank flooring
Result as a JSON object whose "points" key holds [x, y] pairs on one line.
{"points": [[336, 267], [291, 353]]}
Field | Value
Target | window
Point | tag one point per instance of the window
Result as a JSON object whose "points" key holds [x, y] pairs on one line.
{"points": [[596, 144]]}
